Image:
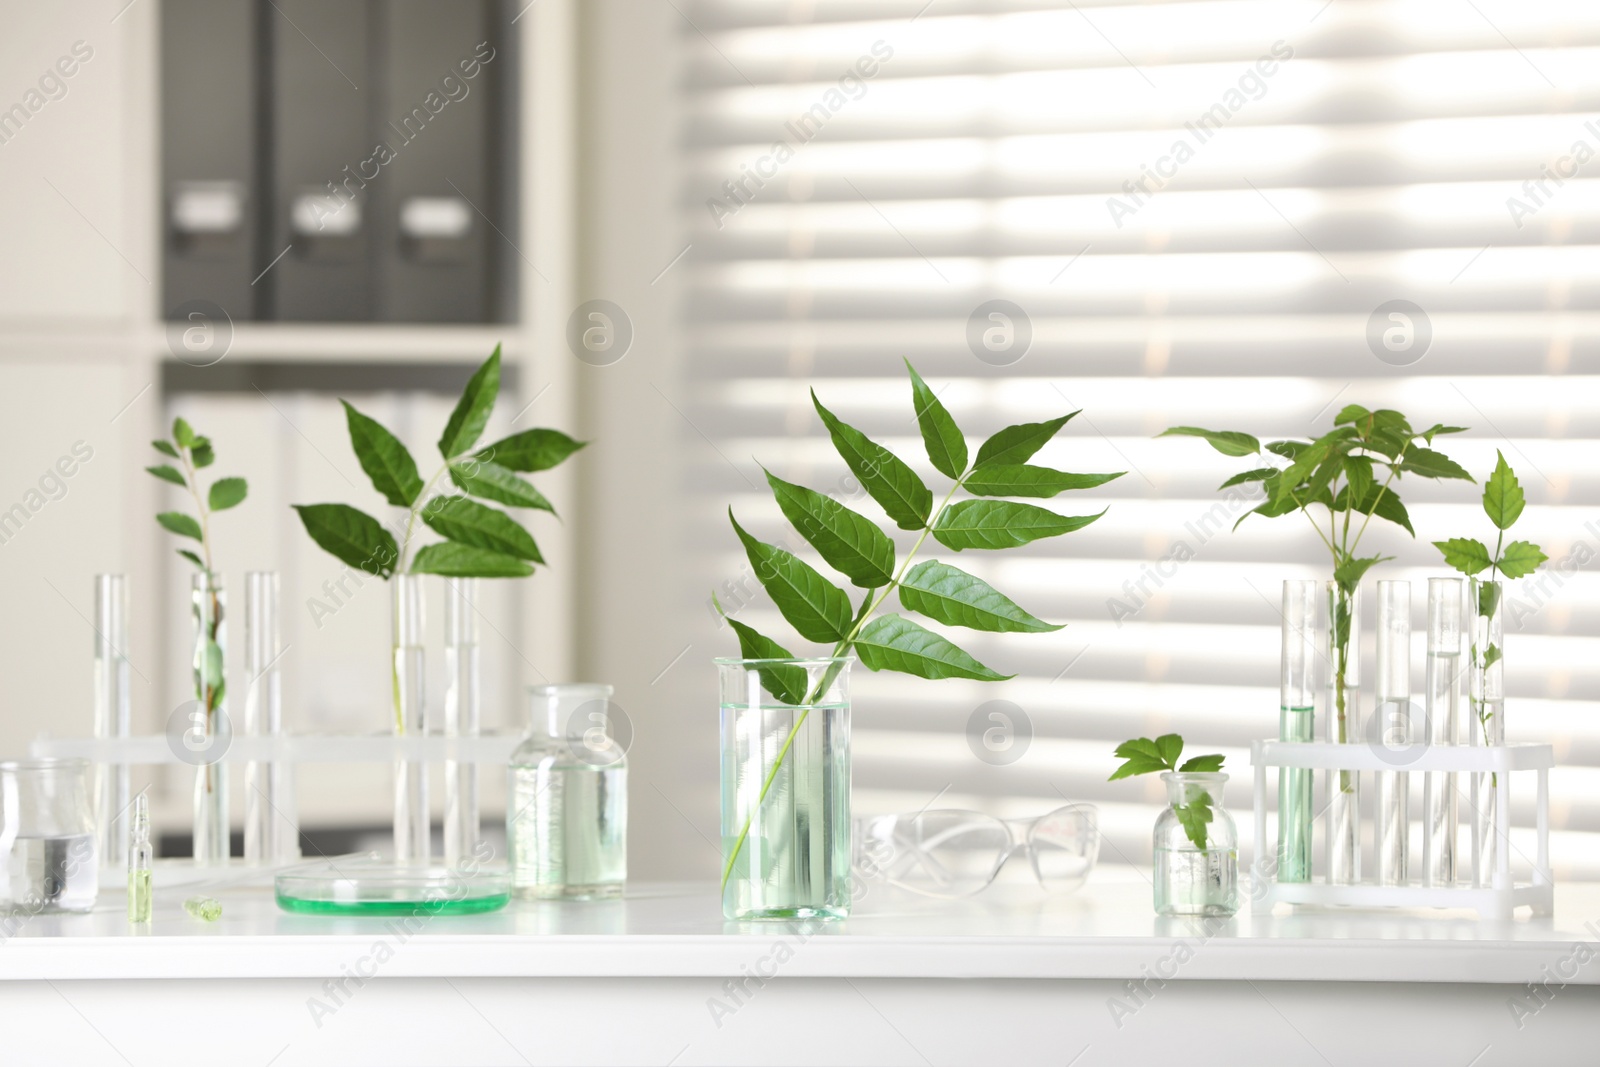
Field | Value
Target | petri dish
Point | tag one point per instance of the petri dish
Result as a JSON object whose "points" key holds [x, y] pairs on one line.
{"points": [[383, 889]]}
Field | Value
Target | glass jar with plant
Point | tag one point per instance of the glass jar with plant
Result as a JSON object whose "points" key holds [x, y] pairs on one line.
{"points": [[208, 602], [1349, 474], [1502, 503], [786, 719], [1196, 844], [479, 541]]}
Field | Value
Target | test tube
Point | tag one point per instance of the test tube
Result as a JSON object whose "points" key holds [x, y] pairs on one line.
{"points": [[461, 718], [112, 715], [1392, 721], [1296, 715], [271, 830], [1440, 801]]}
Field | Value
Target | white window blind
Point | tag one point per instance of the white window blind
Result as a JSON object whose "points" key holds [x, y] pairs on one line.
{"points": [[1198, 208]]}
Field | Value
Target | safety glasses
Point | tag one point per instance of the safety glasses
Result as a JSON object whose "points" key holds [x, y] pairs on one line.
{"points": [[952, 853]]}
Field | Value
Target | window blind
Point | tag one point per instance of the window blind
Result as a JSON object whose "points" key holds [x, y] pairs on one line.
{"points": [[1195, 213]]}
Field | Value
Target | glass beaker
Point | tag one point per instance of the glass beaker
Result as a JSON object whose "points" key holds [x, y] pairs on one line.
{"points": [[47, 831]]}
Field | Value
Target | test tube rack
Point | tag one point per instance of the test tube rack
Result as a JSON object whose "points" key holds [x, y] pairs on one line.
{"points": [[1498, 899]]}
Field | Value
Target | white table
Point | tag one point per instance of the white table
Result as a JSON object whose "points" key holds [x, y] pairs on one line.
{"points": [[1013, 977]]}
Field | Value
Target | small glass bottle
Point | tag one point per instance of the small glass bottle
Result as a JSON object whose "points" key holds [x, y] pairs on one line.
{"points": [[141, 858], [567, 817], [1192, 880]]}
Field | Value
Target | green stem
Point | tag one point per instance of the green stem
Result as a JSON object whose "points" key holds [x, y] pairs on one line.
{"points": [[411, 522], [403, 567], [842, 648]]}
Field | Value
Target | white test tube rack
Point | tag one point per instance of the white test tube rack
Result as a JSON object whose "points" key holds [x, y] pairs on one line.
{"points": [[1497, 900]]}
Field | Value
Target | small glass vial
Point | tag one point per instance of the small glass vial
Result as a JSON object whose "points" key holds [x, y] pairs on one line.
{"points": [[1190, 880], [141, 858], [567, 817]]}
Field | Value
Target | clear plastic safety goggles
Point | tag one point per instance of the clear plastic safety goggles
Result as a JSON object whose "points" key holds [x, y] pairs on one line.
{"points": [[954, 853]]}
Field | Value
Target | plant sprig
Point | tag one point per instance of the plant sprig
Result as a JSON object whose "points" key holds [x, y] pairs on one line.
{"points": [[479, 541], [193, 453], [1144, 756], [1503, 503], [1339, 472], [859, 549]]}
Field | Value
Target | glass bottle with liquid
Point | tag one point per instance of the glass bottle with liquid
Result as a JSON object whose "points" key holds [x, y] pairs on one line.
{"points": [[1192, 880], [141, 861], [567, 818]]}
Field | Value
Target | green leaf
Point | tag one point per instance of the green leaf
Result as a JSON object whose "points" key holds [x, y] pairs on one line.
{"points": [[1145, 756], [895, 643], [1502, 494], [1426, 463], [1228, 442], [850, 542], [1488, 598], [1349, 573], [214, 670], [1194, 816], [181, 524], [165, 449], [1521, 558], [351, 536], [1465, 555], [1260, 474], [1024, 480], [895, 486], [227, 493], [192, 558], [1017, 444], [998, 524], [1491, 656], [1140, 746], [1384, 503], [1202, 765], [814, 606], [472, 411], [201, 455], [956, 598], [494, 482], [1138, 764], [1350, 414], [387, 462], [455, 560], [531, 450], [786, 682], [1271, 509], [1438, 428], [168, 473], [1287, 449], [478, 525], [183, 433], [1305, 462], [947, 448], [1358, 478]]}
